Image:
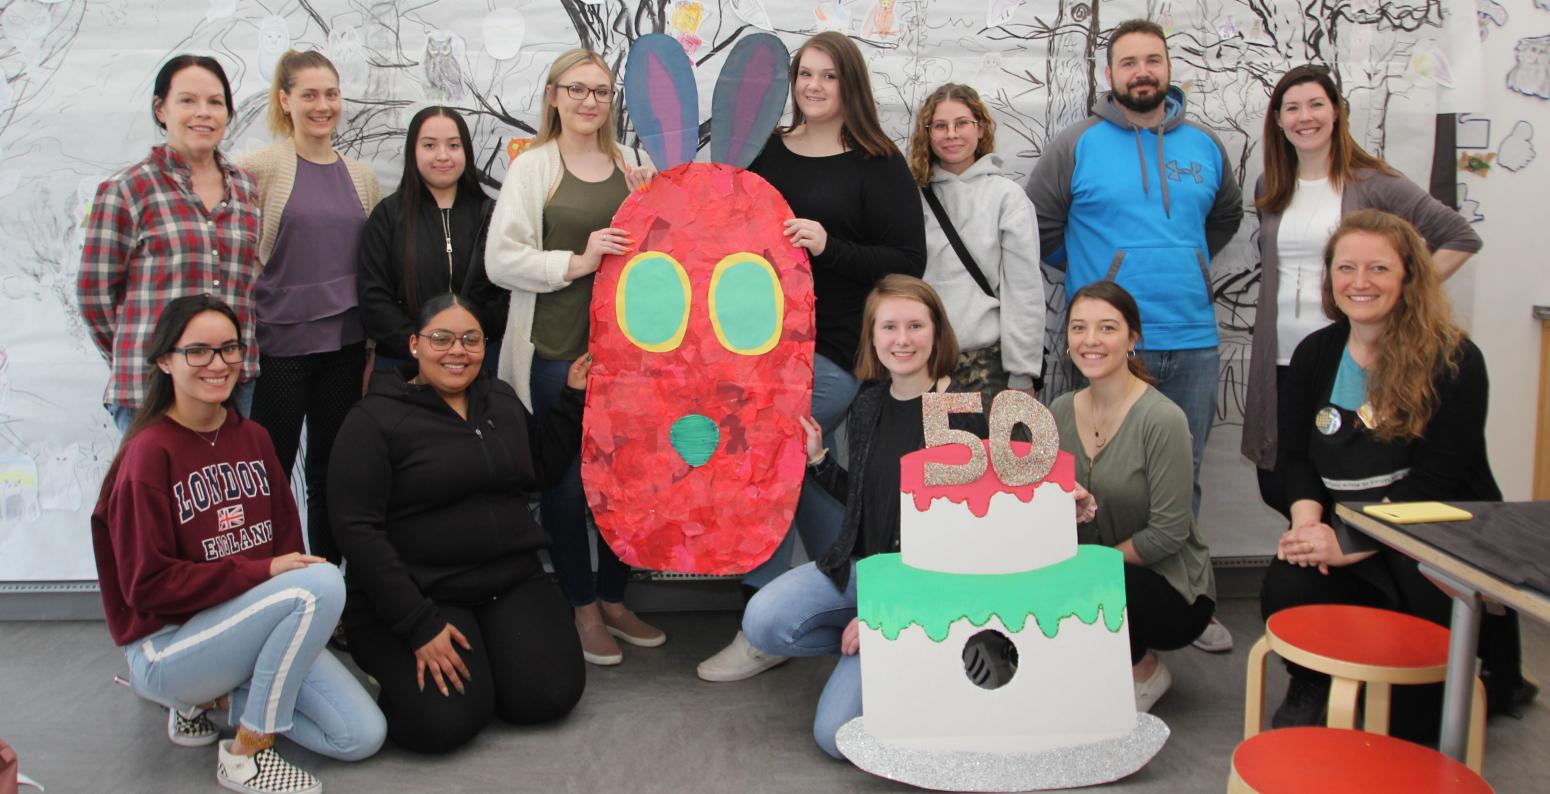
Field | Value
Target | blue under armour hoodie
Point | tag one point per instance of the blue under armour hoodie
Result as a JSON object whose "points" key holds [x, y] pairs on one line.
{"points": [[1146, 208]]}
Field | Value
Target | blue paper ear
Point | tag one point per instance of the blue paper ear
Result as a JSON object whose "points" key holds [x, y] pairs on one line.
{"points": [[664, 103], [750, 96]]}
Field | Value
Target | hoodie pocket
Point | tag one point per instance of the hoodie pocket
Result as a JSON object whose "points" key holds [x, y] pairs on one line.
{"points": [[1171, 285]]}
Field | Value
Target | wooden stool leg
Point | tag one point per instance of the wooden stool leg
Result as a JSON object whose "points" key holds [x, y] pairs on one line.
{"points": [[1254, 690], [1376, 719], [1235, 784], [1342, 702], [1474, 752]]}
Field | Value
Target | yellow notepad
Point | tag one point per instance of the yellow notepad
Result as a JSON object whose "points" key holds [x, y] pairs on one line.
{"points": [[1417, 512]]}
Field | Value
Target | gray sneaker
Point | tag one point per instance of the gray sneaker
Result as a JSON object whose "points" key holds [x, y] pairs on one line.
{"points": [[737, 661], [1215, 639]]}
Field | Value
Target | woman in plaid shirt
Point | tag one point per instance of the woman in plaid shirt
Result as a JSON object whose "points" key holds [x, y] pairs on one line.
{"points": [[182, 221]]}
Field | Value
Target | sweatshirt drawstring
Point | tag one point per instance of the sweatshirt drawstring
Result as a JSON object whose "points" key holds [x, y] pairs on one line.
{"points": [[1141, 161], [1162, 174]]}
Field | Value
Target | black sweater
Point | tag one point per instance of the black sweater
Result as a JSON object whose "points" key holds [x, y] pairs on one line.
{"points": [[386, 310], [870, 209], [428, 507]]}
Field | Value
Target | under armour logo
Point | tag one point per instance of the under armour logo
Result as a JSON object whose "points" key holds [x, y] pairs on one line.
{"points": [[1176, 174]]}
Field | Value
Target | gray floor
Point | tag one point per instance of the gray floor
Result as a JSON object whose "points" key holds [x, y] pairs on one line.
{"points": [[647, 725]]}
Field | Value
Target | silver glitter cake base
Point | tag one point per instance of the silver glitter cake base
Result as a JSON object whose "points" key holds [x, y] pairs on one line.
{"points": [[963, 770]]}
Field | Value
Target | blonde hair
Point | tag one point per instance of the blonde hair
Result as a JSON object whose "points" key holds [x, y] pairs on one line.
{"points": [[549, 126], [944, 343], [921, 156], [1421, 341], [285, 72]]}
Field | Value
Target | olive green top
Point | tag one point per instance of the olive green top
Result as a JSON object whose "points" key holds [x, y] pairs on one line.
{"points": [[1142, 480], [576, 210]]}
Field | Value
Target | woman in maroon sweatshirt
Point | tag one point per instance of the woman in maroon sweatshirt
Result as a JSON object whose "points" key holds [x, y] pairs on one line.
{"points": [[204, 579]]}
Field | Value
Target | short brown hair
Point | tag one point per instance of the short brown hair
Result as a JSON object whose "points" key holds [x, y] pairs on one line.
{"points": [[921, 156], [944, 343], [1130, 26], [285, 79], [862, 129]]}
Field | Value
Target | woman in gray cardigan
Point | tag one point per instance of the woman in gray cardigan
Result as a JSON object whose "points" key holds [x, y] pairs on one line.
{"points": [[1315, 174]]}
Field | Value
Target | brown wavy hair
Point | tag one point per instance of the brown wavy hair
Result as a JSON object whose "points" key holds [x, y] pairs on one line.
{"points": [[1421, 343], [921, 156], [944, 343], [862, 129], [1345, 154], [1125, 303]]}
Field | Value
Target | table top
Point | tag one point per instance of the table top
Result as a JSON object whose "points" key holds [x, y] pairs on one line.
{"points": [[1515, 535]]}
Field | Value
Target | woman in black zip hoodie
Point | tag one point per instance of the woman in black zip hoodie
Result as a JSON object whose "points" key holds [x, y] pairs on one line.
{"points": [[433, 470]]}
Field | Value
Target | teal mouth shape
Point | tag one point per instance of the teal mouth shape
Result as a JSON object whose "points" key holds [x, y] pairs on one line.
{"points": [[695, 438]]}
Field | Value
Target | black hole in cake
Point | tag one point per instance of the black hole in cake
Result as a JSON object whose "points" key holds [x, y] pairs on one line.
{"points": [[989, 659]]}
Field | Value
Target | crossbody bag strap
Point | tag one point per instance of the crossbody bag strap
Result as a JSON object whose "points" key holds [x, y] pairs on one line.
{"points": [[954, 240]]}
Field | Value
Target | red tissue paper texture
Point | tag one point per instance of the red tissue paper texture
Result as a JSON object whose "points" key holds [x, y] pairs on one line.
{"points": [[654, 509]]}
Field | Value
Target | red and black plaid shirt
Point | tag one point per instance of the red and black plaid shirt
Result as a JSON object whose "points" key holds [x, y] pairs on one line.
{"points": [[149, 240]]}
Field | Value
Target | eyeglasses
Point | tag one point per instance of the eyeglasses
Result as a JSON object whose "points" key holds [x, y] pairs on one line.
{"points": [[442, 340], [578, 92], [960, 126], [203, 355]]}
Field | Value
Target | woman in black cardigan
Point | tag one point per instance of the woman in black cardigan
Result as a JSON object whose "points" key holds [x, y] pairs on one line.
{"points": [[433, 470], [1386, 404]]}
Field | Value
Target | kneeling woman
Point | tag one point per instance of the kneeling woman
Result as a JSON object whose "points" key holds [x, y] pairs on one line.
{"points": [[433, 469], [1132, 451], [1386, 404], [907, 349], [206, 588]]}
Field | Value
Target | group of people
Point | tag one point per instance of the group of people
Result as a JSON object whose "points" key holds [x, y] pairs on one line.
{"points": [[235, 301]]}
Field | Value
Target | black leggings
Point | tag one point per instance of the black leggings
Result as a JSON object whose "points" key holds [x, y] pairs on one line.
{"points": [[525, 667], [1159, 618], [320, 388]]}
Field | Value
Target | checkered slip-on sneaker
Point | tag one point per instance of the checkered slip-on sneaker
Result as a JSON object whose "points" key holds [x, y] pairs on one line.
{"points": [[263, 773], [192, 728]]}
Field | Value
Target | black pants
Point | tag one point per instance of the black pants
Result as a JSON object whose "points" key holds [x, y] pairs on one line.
{"points": [[1388, 580], [1159, 618], [320, 388], [525, 667], [1272, 488]]}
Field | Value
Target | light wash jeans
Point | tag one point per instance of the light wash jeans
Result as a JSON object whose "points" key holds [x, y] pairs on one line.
{"points": [[1191, 379], [266, 649], [818, 514], [243, 395], [801, 613]]}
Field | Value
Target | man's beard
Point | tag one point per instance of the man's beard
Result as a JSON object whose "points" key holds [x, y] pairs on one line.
{"points": [[1133, 103]]}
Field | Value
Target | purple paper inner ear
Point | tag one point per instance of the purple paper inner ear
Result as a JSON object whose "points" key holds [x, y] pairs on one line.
{"points": [[750, 96], [662, 99]]}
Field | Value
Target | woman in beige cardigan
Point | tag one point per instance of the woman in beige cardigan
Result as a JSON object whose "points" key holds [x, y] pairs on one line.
{"points": [[315, 201], [549, 233]]}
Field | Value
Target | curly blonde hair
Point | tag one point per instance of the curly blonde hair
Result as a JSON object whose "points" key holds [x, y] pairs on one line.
{"points": [[1421, 343], [921, 156]]}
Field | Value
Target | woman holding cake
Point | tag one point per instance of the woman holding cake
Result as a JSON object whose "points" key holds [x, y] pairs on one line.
{"points": [[1386, 404], [1132, 451]]}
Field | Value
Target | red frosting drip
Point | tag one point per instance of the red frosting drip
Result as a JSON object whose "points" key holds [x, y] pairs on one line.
{"points": [[976, 495]]}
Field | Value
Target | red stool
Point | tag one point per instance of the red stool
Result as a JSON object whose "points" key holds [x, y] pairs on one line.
{"points": [[1358, 646], [1339, 761]]}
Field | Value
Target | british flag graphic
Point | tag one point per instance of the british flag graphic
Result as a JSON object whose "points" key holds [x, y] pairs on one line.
{"points": [[228, 518]]}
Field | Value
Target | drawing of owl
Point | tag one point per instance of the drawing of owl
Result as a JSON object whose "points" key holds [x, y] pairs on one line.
{"points": [[1531, 75], [274, 38], [879, 23], [348, 53], [443, 74], [18, 490], [58, 488], [702, 336]]}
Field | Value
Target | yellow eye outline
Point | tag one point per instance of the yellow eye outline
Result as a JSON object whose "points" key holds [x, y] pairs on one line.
{"points": [[677, 337], [780, 303]]}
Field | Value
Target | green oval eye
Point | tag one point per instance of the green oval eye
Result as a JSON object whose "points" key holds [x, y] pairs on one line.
{"points": [[746, 304], [652, 305]]}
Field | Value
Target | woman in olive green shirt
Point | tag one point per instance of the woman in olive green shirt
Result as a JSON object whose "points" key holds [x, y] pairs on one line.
{"points": [[1132, 451]]}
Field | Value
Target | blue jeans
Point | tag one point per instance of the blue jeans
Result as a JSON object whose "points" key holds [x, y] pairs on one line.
{"points": [[265, 648], [243, 395], [1191, 379], [801, 613], [818, 514], [563, 512]]}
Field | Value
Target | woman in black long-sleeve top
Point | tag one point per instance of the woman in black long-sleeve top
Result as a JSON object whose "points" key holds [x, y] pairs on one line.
{"points": [[1386, 404], [433, 470]]}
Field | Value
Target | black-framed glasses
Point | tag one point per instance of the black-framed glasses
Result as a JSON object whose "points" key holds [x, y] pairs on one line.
{"points": [[442, 340], [204, 355], [960, 126], [577, 91]]}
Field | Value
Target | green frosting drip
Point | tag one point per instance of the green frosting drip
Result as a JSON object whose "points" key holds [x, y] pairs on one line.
{"points": [[695, 437], [893, 595], [745, 305], [654, 301]]}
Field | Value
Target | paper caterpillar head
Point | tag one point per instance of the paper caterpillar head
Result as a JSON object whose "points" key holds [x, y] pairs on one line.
{"points": [[702, 335]]}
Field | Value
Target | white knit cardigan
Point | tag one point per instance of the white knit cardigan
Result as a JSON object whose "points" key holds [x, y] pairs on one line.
{"points": [[274, 167]]}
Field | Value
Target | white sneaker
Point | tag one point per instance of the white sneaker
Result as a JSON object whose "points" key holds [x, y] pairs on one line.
{"points": [[192, 728], [1151, 690], [736, 662], [262, 773], [1215, 639]]}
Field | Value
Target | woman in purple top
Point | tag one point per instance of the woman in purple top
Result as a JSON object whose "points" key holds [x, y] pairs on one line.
{"points": [[315, 201]]}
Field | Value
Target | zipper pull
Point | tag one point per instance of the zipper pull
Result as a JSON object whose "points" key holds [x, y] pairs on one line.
{"points": [[478, 433]]}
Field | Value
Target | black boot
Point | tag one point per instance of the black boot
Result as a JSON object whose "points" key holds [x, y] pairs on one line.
{"points": [[1307, 698]]}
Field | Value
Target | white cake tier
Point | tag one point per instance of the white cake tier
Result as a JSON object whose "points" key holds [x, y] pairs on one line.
{"points": [[1070, 690], [1013, 536]]}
